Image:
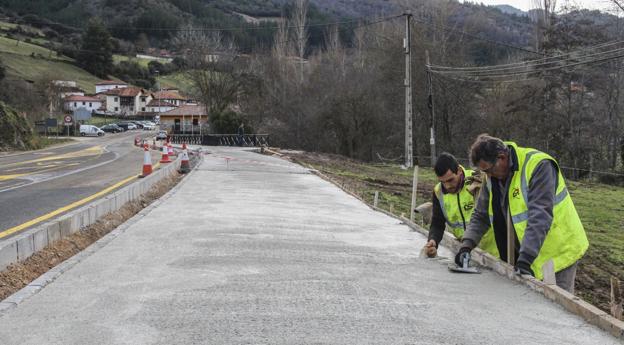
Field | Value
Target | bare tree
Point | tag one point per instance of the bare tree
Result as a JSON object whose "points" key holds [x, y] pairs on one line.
{"points": [[211, 59]]}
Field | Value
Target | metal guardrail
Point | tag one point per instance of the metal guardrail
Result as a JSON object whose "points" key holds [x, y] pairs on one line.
{"points": [[246, 140]]}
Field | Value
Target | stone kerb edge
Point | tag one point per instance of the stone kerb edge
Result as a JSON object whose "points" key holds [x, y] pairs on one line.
{"points": [[25, 245], [571, 303]]}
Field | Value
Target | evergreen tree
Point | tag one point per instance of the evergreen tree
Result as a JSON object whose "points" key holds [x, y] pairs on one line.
{"points": [[96, 54]]}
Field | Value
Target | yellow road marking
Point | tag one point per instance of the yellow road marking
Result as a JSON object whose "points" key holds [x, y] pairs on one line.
{"points": [[23, 226], [91, 151], [54, 167]]}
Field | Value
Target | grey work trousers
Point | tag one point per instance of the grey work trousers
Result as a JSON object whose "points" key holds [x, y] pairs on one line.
{"points": [[565, 278]]}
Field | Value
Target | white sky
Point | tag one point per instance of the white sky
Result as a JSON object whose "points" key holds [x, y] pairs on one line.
{"points": [[527, 4]]}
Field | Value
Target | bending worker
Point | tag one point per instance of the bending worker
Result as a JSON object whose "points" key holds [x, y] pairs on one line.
{"points": [[453, 201], [526, 191]]}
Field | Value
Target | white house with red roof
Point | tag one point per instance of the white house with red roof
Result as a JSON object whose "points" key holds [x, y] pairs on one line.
{"points": [[158, 106], [127, 101], [172, 96], [106, 85], [74, 102]]}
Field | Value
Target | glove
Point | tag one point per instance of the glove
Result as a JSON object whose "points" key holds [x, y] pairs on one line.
{"points": [[523, 268], [430, 249], [461, 255], [474, 183]]}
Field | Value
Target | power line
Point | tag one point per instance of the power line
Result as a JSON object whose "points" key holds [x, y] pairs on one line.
{"points": [[526, 69], [509, 65], [446, 28]]}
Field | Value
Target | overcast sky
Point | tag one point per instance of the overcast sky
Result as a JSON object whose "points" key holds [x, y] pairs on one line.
{"points": [[526, 4]]}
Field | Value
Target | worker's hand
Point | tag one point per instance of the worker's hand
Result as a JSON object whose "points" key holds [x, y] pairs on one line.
{"points": [[459, 258], [524, 268], [430, 249]]}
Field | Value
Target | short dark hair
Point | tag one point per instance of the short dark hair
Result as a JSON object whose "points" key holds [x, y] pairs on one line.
{"points": [[486, 148], [446, 162]]}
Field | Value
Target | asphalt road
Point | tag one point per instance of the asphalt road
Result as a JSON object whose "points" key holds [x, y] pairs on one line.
{"points": [[33, 184], [249, 249]]}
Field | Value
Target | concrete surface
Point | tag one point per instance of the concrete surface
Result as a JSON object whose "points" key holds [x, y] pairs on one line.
{"points": [[255, 250]]}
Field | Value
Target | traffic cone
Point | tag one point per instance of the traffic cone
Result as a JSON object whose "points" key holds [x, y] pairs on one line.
{"points": [[165, 156], [147, 162], [185, 166], [171, 151]]}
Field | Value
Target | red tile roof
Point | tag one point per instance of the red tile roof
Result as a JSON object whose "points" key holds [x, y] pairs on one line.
{"points": [[187, 110], [157, 103], [77, 98], [125, 92], [111, 82], [169, 94]]}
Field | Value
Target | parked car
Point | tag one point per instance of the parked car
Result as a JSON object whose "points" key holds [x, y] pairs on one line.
{"points": [[148, 126], [127, 125], [138, 124], [112, 128], [90, 130], [162, 135]]}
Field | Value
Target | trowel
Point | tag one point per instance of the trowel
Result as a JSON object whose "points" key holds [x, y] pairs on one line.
{"points": [[466, 266]]}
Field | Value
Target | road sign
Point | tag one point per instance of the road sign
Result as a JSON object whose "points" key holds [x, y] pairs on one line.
{"points": [[68, 120], [50, 122]]}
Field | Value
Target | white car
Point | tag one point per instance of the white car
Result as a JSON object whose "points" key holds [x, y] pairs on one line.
{"points": [[90, 130]]}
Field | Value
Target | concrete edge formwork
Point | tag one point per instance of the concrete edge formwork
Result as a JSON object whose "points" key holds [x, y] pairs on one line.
{"points": [[24, 245], [36, 285], [571, 303]]}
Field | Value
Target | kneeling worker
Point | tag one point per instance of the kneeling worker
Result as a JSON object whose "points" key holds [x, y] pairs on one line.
{"points": [[453, 202], [526, 193]]}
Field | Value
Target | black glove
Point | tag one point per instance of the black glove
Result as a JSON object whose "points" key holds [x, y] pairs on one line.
{"points": [[459, 258], [524, 268]]}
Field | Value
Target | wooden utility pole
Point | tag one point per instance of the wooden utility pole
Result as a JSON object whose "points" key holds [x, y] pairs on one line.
{"points": [[431, 106], [409, 155]]}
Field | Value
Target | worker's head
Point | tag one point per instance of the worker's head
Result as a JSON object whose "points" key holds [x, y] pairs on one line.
{"points": [[491, 156], [448, 172]]}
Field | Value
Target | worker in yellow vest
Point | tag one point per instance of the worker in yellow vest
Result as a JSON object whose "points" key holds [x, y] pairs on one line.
{"points": [[453, 201], [526, 190]]}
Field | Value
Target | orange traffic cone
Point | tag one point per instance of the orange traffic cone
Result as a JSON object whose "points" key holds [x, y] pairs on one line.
{"points": [[165, 156], [185, 166], [147, 162], [171, 151]]}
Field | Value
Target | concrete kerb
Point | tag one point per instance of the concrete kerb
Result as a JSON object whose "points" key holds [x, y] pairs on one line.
{"points": [[26, 244], [571, 303], [50, 276]]}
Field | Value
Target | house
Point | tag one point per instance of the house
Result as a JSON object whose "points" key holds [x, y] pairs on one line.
{"points": [[158, 106], [66, 91], [172, 96], [189, 118], [127, 101], [75, 102], [106, 85]]}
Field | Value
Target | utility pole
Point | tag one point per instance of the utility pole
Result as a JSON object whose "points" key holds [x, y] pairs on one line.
{"points": [[409, 155], [431, 106]]}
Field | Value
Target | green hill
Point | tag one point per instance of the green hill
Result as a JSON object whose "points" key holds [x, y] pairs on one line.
{"points": [[31, 62]]}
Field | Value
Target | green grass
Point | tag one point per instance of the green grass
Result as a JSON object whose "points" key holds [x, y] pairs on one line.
{"points": [[600, 207], [18, 59], [118, 58], [8, 45], [5, 26], [177, 80]]}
